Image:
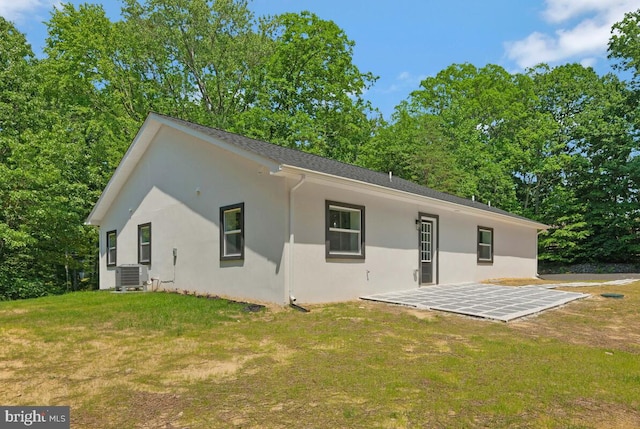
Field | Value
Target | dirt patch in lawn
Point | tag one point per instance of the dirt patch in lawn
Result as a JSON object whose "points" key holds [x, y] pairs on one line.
{"points": [[206, 369], [148, 410], [518, 282], [605, 415], [596, 321]]}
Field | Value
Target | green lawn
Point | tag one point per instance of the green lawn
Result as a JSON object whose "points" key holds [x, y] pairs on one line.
{"points": [[160, 360]]}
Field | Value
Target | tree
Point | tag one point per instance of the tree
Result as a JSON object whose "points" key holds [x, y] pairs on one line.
{"points": [[464, 128], [194, 59], [624, 47], [16, 117], [66, 120], [591, 185], [415, 148], [311, 92], [85, 85], [288, 79], [554, 144], [559, 102], [58, 140], [607, 175], [40, 222]]}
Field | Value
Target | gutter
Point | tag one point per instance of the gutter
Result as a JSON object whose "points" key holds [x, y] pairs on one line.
{"points": [[398, 194]]}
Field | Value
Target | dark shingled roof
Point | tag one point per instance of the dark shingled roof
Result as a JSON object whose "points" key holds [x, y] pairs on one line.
{"points": [[308, 161]]}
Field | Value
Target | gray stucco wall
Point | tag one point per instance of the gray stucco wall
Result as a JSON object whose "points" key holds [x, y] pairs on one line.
{"points": [[181, 182], [179, 186]]}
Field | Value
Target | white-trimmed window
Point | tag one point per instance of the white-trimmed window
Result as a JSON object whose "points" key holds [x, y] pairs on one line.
{"points": [[144, 244], [344, 230], [485, 244], [232, 232], [112, 248]]}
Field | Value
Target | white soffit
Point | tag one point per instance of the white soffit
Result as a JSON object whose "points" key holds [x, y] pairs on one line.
{"points": [[398, 195]]}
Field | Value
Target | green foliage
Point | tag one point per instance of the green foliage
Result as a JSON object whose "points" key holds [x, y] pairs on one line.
{"points": [[563, 242], [559, 144], [554, 144], [287, 79], [461, 132], [46, 181], [416, 149], [624, 46], [310, 94], [20, 288], [594, 219], [67, 119], [192, 59]]}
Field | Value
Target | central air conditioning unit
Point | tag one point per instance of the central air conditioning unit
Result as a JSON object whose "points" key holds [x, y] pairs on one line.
{"points": [[131, 276]]}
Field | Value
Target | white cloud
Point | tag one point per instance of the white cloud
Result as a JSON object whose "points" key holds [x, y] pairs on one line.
{"points": [[406, 78], [562, 10], [582, 32], [390, 89], [19, 10], [404, 81]]}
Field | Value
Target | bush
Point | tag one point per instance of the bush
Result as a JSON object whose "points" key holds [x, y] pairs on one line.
{"points": [[18, 288]]}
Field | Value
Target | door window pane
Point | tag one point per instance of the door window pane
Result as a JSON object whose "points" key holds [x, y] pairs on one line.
{"points": [[425, 241]]}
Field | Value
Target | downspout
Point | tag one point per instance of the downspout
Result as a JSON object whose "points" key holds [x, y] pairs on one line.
{"points": [[292, 299], [537, 250]]}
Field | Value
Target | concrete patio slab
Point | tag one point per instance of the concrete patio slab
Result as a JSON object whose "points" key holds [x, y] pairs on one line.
{"points": [[502, 303]]}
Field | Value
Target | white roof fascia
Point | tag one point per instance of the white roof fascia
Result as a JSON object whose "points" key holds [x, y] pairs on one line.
{"points": [[273, 166], [373, 189], [138, 147], [123, 171], [154, 122]]}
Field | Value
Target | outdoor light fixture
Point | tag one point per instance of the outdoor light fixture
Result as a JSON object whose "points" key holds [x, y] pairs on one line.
{"points": [[418, 224]]}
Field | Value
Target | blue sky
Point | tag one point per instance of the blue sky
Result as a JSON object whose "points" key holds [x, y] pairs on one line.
{"points": [[404, 41]]}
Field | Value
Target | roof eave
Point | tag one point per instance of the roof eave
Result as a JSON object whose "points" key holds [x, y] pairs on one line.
{"points": [[130, 159], [138, 147], [313, 175]]}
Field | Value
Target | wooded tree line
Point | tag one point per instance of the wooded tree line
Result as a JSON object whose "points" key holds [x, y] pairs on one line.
{"points": [[559, 145]]}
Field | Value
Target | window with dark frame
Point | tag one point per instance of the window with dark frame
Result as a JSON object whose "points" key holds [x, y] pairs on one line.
{"points": [[232, 232], [485, 244], [144, 244], [112, 249], [344, 234]]}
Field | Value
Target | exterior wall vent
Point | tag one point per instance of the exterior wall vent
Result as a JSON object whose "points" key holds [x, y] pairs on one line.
{"points": [[131, 276]]}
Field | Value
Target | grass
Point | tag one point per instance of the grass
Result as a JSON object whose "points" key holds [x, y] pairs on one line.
{"points": [[160, 360]]}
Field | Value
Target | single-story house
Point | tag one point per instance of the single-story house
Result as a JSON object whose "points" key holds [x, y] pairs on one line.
{"points": [[210, 211]]}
